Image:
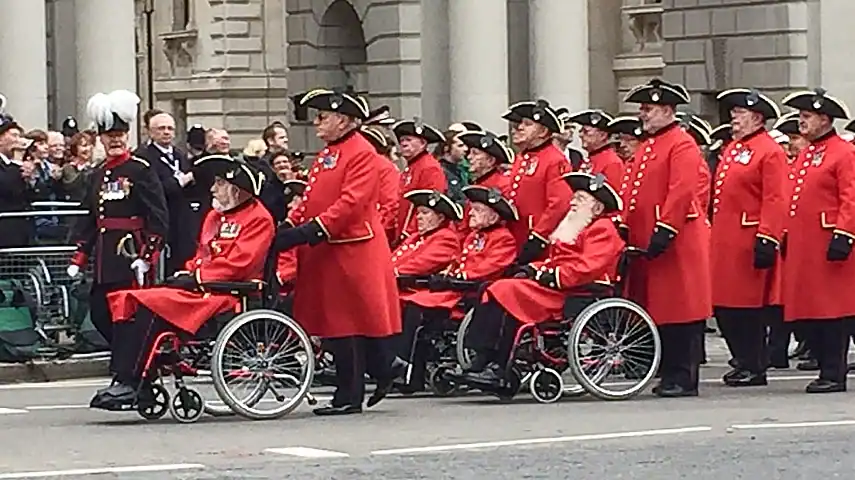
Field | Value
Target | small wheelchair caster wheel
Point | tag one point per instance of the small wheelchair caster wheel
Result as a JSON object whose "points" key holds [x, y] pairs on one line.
{"points": [[153, 403], [510, 386], [546, 386], [187, 406], [440, 384]]}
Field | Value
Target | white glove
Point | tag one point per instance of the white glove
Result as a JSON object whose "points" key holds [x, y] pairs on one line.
{"points": [[73, 271], [141, 267]]}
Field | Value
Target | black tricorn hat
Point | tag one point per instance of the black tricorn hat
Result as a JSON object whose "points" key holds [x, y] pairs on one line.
{"points": [[338, 101], [720, 136], [575, 155], [379, 116], [376, 138], [817, 101], [494, 199], [750, 99], [539, 111], [232, 170], [69, 127], [489, 143], [417, 128], [626, 125], [592, 118], [658, 92], [697, 128], [788, 124], [598, 187], [436, 201], [293, 188]]}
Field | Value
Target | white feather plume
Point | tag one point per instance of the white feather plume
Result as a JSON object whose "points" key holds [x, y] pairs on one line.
{"points": [[123, 103], [2, 103]]}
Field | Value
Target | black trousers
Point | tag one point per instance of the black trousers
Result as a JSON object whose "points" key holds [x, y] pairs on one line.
{"points": [[354, 356], [132, 343], [492, 333], [681, 347], [744, 331], [778, 340], [99, 310], [407, 346], [828, 340]]}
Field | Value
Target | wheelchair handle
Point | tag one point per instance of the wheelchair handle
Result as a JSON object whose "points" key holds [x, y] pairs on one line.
{"points": [[635, 251]]}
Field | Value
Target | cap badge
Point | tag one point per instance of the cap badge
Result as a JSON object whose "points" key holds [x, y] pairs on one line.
{"points": [[655, 95]]}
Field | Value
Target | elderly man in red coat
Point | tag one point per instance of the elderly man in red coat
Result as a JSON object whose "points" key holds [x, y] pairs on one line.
{"points": [[820, 230], [583, 249], [662, 213], [747, 226], [437, 242], [345, 290], [487, 156], [629, 134], [537, 190], [595, 136], [235, 238], [390, 181]]}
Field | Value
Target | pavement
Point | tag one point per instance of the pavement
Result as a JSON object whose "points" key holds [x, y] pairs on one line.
{"points": [[47, 431]]}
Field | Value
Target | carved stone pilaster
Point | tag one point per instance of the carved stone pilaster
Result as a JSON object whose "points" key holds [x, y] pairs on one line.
{"points": [[180, 50], [645, 23]]}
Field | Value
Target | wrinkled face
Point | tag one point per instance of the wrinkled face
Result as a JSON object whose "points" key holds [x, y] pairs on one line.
{"points": [[224, 195], [528, 133], [627, 144], [330, 126], [410, 147], [797, 144], [115, 143], [480, 162], [458, 150], [280, 138], [9, 140], [585, 203], [482, 216], [812, 124], [592, 138], [56, 145], [744, 122], [428, 220], [219, 142], [161, 129], [653, 116]]}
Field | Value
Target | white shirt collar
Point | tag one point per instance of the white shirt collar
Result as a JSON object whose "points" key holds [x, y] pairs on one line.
{"points": [[164, 150], [6, 160]]}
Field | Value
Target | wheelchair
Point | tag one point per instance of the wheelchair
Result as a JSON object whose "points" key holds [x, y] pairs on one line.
{"points": [[610, 345], [251, 359]]}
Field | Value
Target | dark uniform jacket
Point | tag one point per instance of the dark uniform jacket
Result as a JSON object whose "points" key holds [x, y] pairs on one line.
{"points": [[126, 207], [14, 197], [457, 177]]}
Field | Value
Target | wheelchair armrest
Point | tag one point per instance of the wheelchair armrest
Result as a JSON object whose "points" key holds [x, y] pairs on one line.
{"points": [[465, 285], [633, 252], [413, 281], [595, 289], [233, 288]]}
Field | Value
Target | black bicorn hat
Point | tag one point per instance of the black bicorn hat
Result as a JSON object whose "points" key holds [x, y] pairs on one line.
{"points": [[69, 127], [337, 100], [494, 199], [293, 188], [489, 143], [817, 101], [539, 111], [591, 118], [750, 99], [788, 124], [658, 92], [436, 201], [626, 125], [231, 169], [598, 187], [113, 112], [376, 138], [697, 127], [417, 128], [720, 136]]}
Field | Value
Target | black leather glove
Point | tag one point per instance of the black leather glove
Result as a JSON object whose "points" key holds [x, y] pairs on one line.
{"points": [[764, 253], [839, 248], [439, 282], [623, 231], [309, 233], [659, 241], [548, 279], [524, 271], [533, 247]]}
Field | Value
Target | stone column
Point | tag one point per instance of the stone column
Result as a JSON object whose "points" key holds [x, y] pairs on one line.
{"points": [[23, 77], [478, 57], [106, 50], [559, 52]]}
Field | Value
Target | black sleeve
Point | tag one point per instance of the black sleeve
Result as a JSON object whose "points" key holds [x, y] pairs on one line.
{"points": [[85, 229], [149, 191], [272, 192]]}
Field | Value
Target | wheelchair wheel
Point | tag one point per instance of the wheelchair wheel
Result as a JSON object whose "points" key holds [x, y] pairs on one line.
{"points": [[546, 386], [187, 406], [156, 405], [262, 352], [464, 355], [614, 349], [439, 383]]}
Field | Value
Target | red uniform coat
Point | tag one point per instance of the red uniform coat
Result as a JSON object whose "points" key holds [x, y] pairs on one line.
{"points": [[605, 161], [422, 173], [422, 255], [822, 203], [660, 187], [345, 285], [541, 196], [592, 257], [233, 246], [748, 201], [286, 270], [485, 255], [704, 180], [390, 196], [494, 179]]}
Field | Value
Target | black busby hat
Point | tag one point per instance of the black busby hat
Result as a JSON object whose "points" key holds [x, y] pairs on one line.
{"points": [[494, 199], [489, 143], [233, 170], [598, 187], [750, 99], [817, 101], [69, 127], [539, 111], [721, 135], [113, 112], [658, 92], [697, 127], [592, 118], [626, 125], [788, 124], [436, 201], [417, 128], [376, 138], [196, 136], [336, 100], [293, 188]]}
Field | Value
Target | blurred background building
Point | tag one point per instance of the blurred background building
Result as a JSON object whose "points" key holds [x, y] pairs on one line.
{"points": [[235, 63]]}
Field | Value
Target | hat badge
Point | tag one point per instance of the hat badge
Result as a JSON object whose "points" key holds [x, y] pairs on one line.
{"points": [[334, 104], [655, 95], [637, 131], [432, 202], [596, 118], [817, 104], [230, 174]]}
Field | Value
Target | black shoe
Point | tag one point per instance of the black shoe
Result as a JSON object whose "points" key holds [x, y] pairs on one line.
{"points": [[676, 391], [117, 397], [800, 350], [825, 386], [733, 374], [810, 365], [658, 388], [489, 377], [733, 363], [747, 379], [332, 410]]}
